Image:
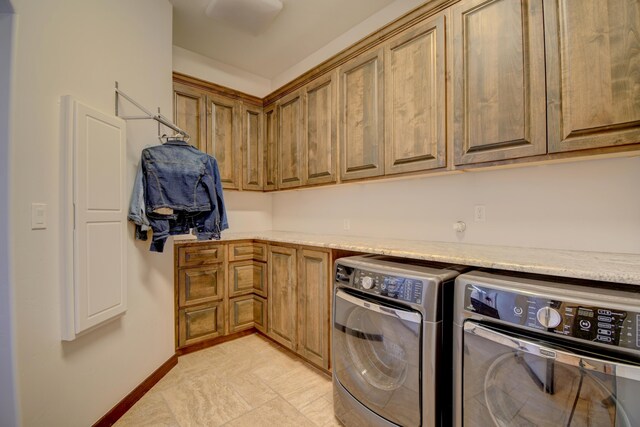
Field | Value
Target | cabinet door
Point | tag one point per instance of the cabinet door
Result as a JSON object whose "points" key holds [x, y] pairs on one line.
{"points": [[260, 313], [415, 99], [290, 141], [253, 151], [314, 287], [247, 276], [361, 88], [241, 313], [200, 323], [321, 117], [498, 82], [271, 147], [282, 295], [200, 285], [189, 108], [223, 138], [593, 73]]}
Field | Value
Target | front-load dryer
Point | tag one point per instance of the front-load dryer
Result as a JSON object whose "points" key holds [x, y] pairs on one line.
{"points": [[540, 351], [387, 341]]}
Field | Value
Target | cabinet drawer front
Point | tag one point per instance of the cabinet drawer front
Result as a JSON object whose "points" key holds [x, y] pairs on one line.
{"points": [[260, 313], [200, 323], [245, 276], [241, 313], [204, 254], [200, 285], [260, 279], [247, 250]]}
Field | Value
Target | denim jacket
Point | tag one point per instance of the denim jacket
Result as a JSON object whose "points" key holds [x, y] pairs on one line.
{"points": [[181, 190]]}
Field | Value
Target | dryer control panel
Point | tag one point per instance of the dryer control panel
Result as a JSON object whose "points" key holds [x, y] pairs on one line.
{"points": [[605, 325]]}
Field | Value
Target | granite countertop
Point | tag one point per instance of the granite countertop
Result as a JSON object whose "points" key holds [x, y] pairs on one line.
{"points": [[609, 267]]}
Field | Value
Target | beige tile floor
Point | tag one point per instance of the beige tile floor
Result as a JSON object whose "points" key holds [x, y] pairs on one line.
{"points": [[246, 382]]}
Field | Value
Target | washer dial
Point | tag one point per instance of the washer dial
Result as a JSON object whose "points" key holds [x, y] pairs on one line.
{"points": [[549, 317]]}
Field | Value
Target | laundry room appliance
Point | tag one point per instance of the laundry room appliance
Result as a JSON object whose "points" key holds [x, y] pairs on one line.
{"points": [[387, 340], [539, 351]]}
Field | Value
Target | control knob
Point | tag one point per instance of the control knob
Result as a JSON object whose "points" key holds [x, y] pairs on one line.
{"points": [[548, 317], [367, 282]]}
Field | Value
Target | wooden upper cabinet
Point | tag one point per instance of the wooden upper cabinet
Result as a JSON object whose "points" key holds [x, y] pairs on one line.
{"points": [[321, 139], [271, 147], [223, 138], [593, 73], [415, 99], [290, 141], [189, 108], [498, 80], [361, 118], [253, 151]]}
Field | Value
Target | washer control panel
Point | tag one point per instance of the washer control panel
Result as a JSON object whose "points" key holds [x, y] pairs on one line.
{"points": [[396, 287], [605, 325]]}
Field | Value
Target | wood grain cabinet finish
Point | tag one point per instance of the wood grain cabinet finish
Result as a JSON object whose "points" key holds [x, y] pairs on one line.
{"points": [[243, 251], [498, 80], [200, 285], [189, 107], [271, 147], [593, 73], [361, 139], [314, 292], [223, 138], [200, 323], [201, 254], [253, 150], [291, 127], [246, 277], [320, 110], [260, 313], [241, 313], [415, 99], [282, 300]]}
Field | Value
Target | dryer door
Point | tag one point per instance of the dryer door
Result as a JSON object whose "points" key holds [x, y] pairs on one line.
{"points": [[377, 356], [517, 380]]}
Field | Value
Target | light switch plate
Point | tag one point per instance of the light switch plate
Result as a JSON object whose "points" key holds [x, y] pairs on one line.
{"points": [[38, 216]]}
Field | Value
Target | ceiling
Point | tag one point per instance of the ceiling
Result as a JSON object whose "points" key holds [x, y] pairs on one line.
{"points": [[301, 28]]}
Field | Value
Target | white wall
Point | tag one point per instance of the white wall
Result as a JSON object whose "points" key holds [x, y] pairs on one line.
{"points": [[591, 205], [248, 211], [8, 390], [196, 65], [80, 48]]}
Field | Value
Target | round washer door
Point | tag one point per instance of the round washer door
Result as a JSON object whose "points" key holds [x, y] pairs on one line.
{"points": [[377, 356]]}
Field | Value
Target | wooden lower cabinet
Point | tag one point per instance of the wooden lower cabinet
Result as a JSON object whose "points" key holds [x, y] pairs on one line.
{"points": [[282, 295], [245, 277], [260, 313], [299, 301], [314, 300], [200, 285], [240, 313], [200, 323]]}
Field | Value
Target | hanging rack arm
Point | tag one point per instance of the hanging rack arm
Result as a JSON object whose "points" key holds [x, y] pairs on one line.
{"points": [[157, 117]]}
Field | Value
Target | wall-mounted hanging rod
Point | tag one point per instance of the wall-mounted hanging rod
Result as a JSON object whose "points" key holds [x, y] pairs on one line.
{"points": [[149, 115]]}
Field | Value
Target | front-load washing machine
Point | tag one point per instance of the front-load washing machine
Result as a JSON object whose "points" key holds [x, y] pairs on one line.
{"points": [[540, 351], [387, 341]]}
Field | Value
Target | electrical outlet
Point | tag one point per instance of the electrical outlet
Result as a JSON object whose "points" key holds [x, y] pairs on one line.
{"points": [[346, 224], [479, 214], [38, 216]]}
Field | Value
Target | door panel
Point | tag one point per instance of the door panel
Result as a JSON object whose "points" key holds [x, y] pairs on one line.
{"points": [[223, 137]]}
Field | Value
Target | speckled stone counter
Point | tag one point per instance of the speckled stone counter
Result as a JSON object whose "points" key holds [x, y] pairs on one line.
{"points": [[609, 267]]}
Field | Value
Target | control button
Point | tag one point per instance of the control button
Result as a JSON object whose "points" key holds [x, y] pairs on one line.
{"points": [[605, 312], [604, 319], [548, 317], [605, 325], [367, 282], [585, 324], [518, 311], [603, 332], [604, 339]]}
